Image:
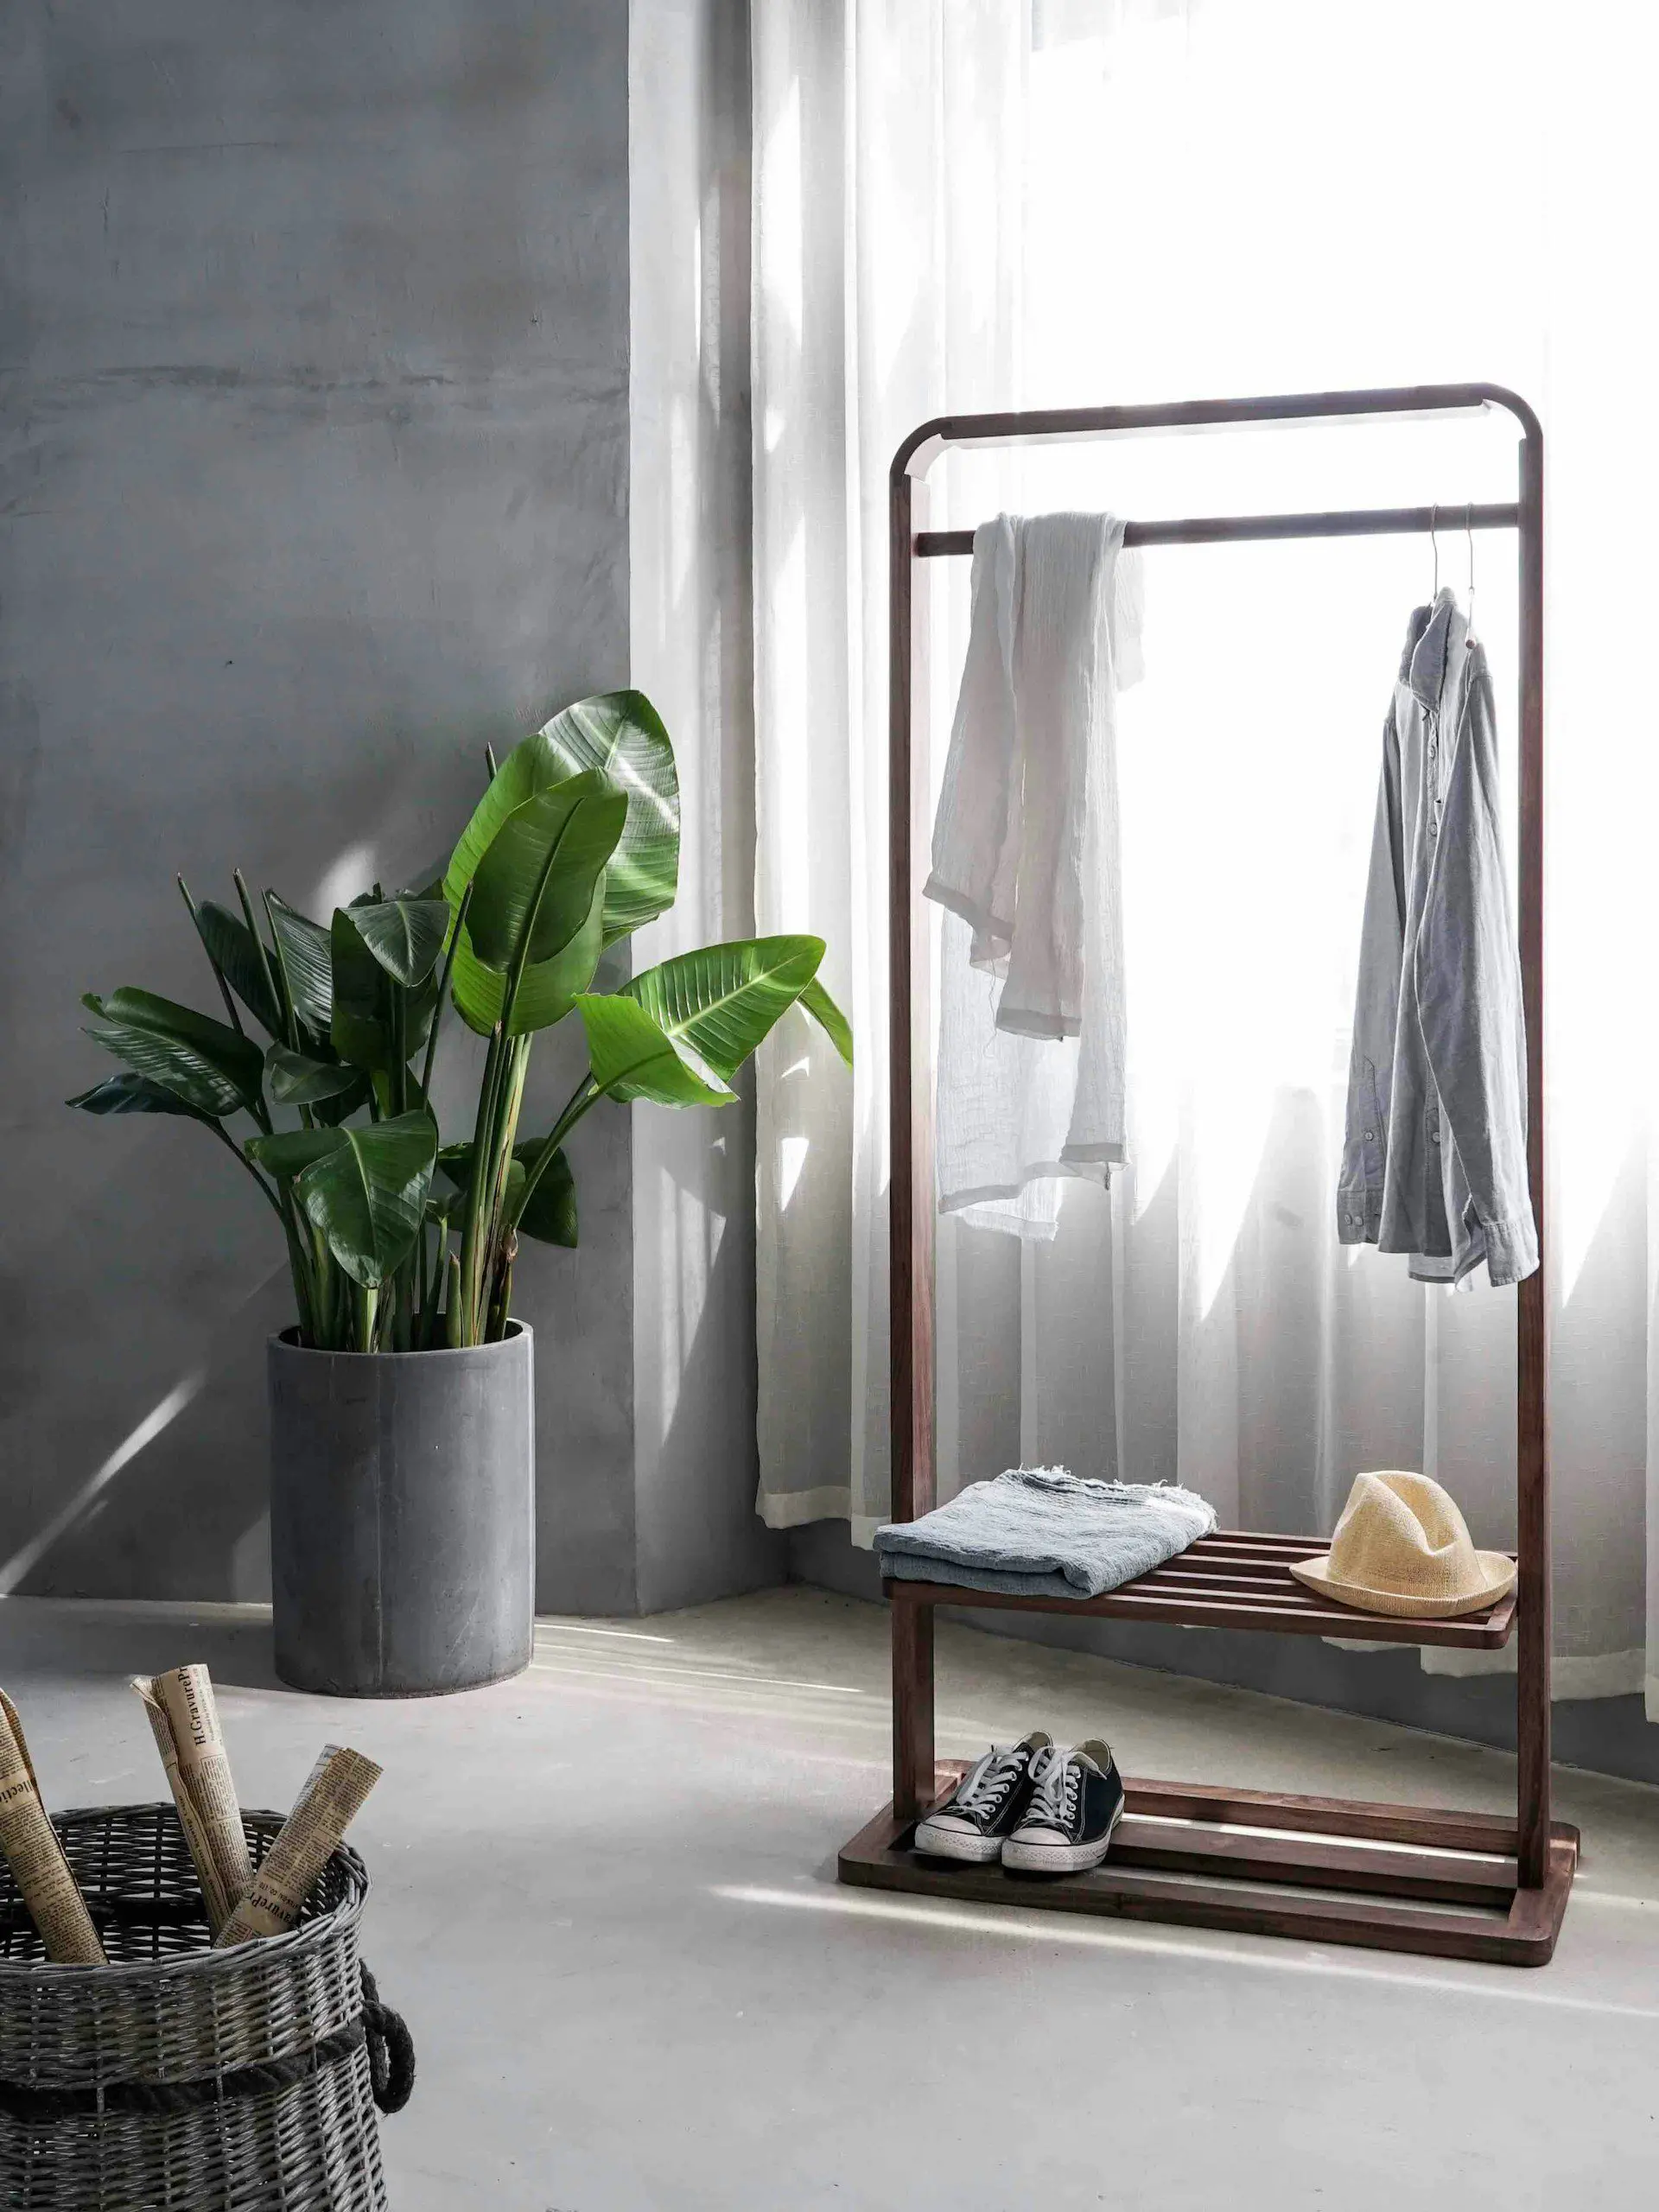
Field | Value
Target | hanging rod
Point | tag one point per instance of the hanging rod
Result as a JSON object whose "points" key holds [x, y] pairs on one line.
{"points": [[1232, 530]]}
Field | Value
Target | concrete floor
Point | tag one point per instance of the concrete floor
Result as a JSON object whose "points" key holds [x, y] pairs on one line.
{"points": [[604, 1897]]}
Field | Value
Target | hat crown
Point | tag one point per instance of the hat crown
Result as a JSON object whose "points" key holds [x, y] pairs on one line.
{"points": [[1401, 1533]]}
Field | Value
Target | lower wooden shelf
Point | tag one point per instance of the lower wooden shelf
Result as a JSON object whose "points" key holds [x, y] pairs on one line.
{"points": [[1252, 1861]]}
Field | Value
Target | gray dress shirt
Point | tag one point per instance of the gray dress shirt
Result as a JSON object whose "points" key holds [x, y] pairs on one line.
{"points": [[1434, 1155]]}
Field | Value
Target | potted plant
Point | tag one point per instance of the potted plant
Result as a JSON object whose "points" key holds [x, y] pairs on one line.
{"points": [[402, 1436]]}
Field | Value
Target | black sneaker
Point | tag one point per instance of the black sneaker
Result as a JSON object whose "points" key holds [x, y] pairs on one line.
{"points": [[989, 1801], [1077, 1800]]}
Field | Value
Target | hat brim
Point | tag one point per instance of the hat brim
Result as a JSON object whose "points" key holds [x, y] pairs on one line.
{"points": [[1497, 1579]]}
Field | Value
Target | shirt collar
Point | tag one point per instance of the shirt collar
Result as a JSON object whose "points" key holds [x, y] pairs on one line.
{"points": [[1434, 635]]}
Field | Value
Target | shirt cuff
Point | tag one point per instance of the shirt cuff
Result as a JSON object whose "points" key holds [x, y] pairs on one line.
{"points": [[1359, 1217], [1511, 1250]]}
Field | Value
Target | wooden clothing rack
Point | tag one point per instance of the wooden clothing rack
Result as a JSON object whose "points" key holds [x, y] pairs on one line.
{"points": [[1315, 1867]]}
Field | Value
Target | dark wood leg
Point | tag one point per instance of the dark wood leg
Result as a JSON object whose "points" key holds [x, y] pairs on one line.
{"points": [[1532, 1625], [912, 1710]]}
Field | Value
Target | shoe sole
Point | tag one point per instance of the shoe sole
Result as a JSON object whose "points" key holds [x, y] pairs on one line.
{"points": [[948, 1843], [1059, 1858]]}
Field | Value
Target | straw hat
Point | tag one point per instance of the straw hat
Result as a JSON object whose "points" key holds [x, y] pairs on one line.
{"points": [[1401, 1546]]}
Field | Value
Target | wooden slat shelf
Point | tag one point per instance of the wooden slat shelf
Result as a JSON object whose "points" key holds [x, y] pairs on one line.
{"points": [[1236, 1580]]}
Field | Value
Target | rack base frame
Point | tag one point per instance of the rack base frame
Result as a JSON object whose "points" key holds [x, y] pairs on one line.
{"points": [[1257, 1863]]}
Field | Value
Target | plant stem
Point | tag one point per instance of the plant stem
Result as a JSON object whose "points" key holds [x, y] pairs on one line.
{"points": [[492, 1139], [433, 1290], [397, 1074], [218, 973], [444, 993], [304, 1298], [308, 1254], [501, 1168], [452, 1300], [259, 942], [478, 1186], [282, 1206], [290, 1020], [365, 1301], [501, 1289], [236, 1150], [586, 1093]]}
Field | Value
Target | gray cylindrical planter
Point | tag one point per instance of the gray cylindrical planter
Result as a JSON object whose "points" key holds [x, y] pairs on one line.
{"points": [[402, 1517]]}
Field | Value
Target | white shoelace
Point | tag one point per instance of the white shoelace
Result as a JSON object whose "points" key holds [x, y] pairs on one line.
{"points": [[981, 1792], [1058, 1779]]}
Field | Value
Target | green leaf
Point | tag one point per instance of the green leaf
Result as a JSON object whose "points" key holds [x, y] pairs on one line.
{"points": [[443, 1208], [368, 1195], [231, 947], [406, 935], [360, 1026], [620, 735], [290, 1152], [298, 1080], [455, 1165], [829, 1018], [550, 1217], [130, 1093], [331, 1112], [536, 884], [193, 1081], [304, 946], [546, 993], [632, 1057], [203, 1061], [722, 999]]}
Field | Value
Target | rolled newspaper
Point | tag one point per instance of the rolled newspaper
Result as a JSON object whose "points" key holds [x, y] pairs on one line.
{"points": [[184, 1719], [36, 1856], [333, 1790]]}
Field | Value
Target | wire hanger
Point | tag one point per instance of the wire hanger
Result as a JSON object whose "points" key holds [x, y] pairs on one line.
{"points": [[1435, 543], [1469, 532]]}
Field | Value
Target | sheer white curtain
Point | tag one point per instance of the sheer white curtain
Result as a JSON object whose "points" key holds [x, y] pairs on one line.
{"points": [[965, 204]]}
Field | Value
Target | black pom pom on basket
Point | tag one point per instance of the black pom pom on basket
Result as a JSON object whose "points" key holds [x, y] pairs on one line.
{"points": [[246, 2080]]}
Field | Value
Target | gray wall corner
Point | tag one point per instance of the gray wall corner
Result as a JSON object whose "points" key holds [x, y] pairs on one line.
{"points": [[695, 1471]]}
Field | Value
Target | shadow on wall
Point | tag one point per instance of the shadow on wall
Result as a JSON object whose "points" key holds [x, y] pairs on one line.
{"points": [[171, 1477]]}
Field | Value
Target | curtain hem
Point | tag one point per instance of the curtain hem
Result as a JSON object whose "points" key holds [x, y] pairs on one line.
{"points": [[793, 1508], [1597, 1675]]}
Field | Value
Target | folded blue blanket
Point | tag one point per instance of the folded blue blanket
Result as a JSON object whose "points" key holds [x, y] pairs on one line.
{"points": [[1039, 1532]]}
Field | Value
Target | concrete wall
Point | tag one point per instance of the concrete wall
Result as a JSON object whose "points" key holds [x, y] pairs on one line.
{"points": [[314, 469]]}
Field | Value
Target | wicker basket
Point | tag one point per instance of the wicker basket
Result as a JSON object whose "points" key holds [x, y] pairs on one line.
{"points": [[182, 2077]]}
